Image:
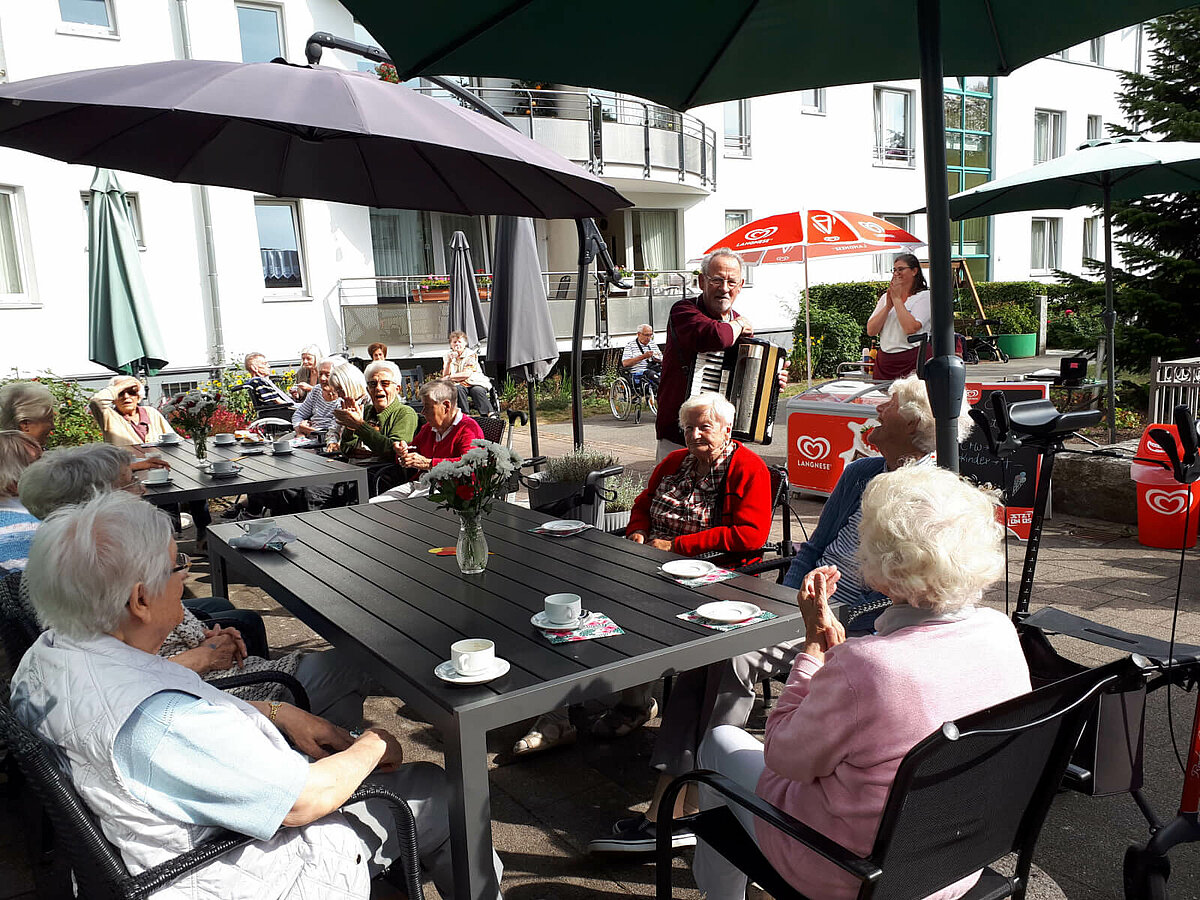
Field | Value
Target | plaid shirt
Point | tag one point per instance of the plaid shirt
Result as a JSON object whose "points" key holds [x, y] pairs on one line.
{"points": [[686, 503]]}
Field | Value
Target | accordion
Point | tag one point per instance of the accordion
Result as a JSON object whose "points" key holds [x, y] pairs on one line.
{"points": [[747, 375]]}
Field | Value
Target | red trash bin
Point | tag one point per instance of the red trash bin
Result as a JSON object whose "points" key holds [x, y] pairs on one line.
{"points": [[1164, 505]]}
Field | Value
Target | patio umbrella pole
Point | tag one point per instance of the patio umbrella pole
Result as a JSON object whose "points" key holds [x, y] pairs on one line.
{"points": [[944, 374], [586, 255], [533, 439], [1110, 315], [807, 336]]}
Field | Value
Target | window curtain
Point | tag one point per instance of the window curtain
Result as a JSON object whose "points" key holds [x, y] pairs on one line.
{"points": [[10, 261], [398, 241], [658, 244], [1037, 249]]}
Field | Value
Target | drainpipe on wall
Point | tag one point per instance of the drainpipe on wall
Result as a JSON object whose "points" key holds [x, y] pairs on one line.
{"points": [[216, 336]]}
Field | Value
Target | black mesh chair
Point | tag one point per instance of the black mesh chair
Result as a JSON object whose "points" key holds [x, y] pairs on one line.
{"points": [[96, 864], [970, 793]]}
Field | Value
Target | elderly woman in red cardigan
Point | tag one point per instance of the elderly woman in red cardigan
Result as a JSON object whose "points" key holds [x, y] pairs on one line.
{"points": [[713, 496]]}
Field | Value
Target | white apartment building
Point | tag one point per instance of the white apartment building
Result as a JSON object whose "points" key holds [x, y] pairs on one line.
{"points": [[284, 272]]}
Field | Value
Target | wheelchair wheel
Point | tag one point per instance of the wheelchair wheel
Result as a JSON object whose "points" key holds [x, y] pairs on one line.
{"points": [[619, 399], [1145, 877]]}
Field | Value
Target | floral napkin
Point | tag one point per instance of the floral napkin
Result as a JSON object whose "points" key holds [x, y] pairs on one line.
{"points": [[723, 626], [711, 578], [596, 625]]}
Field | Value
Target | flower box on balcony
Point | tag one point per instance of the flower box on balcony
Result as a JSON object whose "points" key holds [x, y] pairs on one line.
{"points": [[441, 295]]}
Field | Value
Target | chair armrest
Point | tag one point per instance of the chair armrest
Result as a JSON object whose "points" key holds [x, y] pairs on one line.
{"points": [[517, 415], [533, 462], [862, 869], [767, 565], [293, 686], [406, 832], [146, 883]]}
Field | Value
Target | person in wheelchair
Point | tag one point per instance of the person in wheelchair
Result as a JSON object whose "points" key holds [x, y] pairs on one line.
{"points": [[163, 759], [851, 710], [460, 365], [641, 358]]}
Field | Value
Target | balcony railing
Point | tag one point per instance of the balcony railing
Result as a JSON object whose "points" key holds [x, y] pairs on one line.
{"points": [[395, 311], [895, 156], [596, 129]]}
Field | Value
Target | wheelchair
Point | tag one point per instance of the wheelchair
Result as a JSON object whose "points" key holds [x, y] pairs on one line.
{"points": [[633, 390]]}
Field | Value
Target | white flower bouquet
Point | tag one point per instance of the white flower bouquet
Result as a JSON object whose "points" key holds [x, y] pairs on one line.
{"points": [[471, 483]]}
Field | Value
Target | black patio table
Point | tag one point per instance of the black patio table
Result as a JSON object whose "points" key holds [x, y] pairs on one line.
{"points": [[363, 578], [260, 472]]}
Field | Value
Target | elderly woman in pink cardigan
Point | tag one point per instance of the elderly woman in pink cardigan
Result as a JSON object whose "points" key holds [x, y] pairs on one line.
{"points": [[852, 709]]}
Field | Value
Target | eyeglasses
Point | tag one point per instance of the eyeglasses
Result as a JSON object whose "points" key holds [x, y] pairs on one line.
{"points": [[380, 383], [131, 392], [133, 487], [718, 282], [183, 562]]}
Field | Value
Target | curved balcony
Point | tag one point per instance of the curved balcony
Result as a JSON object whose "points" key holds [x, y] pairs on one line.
{"points": [[610, 133]]}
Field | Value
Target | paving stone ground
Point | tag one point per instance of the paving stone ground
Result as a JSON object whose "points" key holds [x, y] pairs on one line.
{"points": [[546, 809]]}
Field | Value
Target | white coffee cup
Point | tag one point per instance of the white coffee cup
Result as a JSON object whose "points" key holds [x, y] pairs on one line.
{"points": [[221, 466], [474, 656], [563, 608], [170, 437], [157, 476], [224, 439], [282, 446]]}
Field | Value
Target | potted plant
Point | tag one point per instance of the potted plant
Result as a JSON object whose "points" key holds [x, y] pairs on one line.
{"points": [[625, 489], [432, 288], [1017, 331], [483, 284], [562, 488]]}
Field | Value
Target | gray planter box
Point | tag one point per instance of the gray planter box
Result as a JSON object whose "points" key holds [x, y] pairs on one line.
{"points": [[543, 492]]}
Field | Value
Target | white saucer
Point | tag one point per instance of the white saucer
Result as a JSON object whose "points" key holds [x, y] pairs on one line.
{"points": [[564, 525], [252, 450], [688, 568], [728, 611], [539, 620], [231, 474], [282, 452], [164, 443], [151, 484], [449, 674], [217, 443]]}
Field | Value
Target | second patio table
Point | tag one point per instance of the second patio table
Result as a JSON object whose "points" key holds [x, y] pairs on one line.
{"points": [[364, 579], [260, 472]]}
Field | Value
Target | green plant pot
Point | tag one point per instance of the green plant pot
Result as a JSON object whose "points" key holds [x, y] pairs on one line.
{"points": [[1018, 346]]}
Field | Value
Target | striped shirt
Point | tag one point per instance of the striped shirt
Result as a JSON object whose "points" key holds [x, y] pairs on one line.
{"points": [[843, 553], [316, 410], [17, 527]]}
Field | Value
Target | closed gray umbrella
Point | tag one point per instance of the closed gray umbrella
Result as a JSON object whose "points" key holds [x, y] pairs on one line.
{"points": [[521, 335], [466, 314], [296, 131], [122, 333], [1093, 175]]}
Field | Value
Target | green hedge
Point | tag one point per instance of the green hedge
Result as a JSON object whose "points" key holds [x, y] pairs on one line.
{"points": [[836, 337]]}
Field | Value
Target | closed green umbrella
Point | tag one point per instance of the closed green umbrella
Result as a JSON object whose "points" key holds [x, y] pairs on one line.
{"points": [[706, 51], [122, 333]]}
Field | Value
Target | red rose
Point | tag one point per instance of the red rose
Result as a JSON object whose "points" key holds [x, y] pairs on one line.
{"points": [[465, 491]]}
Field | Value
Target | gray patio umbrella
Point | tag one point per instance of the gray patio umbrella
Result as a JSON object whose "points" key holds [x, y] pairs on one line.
{"points": [[296, 131], [730, 49], [466, 314], [521, 338], [122, 333], [1094, 175]]}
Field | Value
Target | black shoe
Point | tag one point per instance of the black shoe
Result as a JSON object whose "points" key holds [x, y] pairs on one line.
{"points": [[233, 512], [637, 834]]}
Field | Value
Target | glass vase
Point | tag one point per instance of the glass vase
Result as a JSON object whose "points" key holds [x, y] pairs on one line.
{"points": [[472, 548], [200, 439]]}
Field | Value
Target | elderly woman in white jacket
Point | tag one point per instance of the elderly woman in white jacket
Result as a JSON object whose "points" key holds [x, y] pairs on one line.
{"points": [[161, 758]]}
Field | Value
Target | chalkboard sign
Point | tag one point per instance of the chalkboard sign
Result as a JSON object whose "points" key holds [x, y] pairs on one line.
{"points": [[1016, 476]]}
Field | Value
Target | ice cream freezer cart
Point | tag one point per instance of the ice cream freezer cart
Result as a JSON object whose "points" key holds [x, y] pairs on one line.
{"points": [[828, 427]]}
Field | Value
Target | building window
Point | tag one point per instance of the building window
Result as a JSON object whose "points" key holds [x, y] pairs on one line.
{"points": [[133, 204], [260, 28], [968, 114], [1096, 50], [279, 244], [13, 284], [87, 16], [737, 128], [1095, 128], [1093, 227], [171, 388], [735, 219], [894, 144], [1059, 54], [655, 241], [1047, 135], [883, 261], [1044, 245], [813, 102]]}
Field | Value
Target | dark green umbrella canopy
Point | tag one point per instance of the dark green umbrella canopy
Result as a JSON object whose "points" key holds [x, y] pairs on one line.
{"points": [[122, 333], [685, 53]]}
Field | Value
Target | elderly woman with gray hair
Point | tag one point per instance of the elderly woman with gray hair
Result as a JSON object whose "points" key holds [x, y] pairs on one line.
{"points": [[29, 407], [851, 710], [18, 450], [122, 417], [74, 475], [371, 429], [162, 759]]}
